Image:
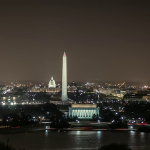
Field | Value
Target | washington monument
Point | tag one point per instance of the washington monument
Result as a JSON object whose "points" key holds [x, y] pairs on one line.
{"points": [[64, 78]]}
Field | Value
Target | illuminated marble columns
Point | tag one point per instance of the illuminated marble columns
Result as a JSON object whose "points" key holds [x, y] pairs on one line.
{"points": [[83, 112]]}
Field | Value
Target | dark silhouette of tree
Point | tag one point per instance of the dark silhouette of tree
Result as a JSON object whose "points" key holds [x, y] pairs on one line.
{"points": [[115, 146], [4, 146], [26, 120], [11, 119]]}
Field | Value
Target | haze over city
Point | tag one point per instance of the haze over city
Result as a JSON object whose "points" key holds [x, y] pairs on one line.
{"points": [[104, 41], [72, 70]]}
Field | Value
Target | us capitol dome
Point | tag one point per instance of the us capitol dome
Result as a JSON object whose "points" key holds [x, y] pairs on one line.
{"points": [[52, 83]]}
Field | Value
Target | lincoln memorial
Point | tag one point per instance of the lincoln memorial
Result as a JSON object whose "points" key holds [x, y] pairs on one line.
{"points": [[83, 111]]}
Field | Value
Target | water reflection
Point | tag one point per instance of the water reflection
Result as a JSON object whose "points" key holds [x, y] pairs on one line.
{"points": [[142, 137], [46, 132], [99, 134], [132, 138], [78, 132], [44, 140]]}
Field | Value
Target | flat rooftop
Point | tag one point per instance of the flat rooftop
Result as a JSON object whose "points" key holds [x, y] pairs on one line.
{"points": [[84, 105]]}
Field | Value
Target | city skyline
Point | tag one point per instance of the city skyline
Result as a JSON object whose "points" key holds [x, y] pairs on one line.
{"points": [[70, 70], [101, 44]]}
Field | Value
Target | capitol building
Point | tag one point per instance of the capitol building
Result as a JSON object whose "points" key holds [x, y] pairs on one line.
{"points": [[52, 83], [51, 87]]}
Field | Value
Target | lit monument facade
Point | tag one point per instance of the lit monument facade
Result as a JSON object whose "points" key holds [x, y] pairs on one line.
{"points": [[52, 83], [64, 78], [83, 111]]}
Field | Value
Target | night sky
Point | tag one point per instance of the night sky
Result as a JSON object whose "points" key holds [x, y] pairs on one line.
{"points": [[104, 41]]}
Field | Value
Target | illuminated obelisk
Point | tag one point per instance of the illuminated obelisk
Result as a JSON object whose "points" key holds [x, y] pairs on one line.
{"points": [[64, 79]]}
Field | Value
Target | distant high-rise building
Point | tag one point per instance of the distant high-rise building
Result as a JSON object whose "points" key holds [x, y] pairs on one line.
{"points": [[52, 83], [64, 78]]}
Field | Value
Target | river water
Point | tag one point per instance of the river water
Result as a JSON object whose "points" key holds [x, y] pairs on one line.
{"points": [[76, 140]]}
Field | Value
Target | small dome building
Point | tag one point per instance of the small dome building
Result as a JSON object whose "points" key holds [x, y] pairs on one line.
{"points": [[52, 83]]}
